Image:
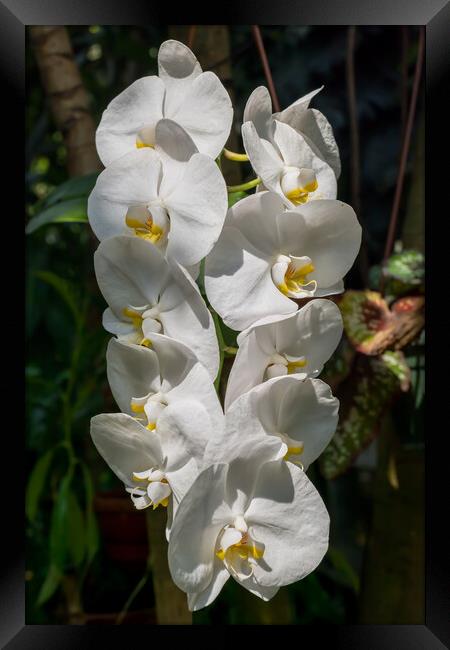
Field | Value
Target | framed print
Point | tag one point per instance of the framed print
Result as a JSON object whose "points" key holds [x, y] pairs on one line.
{"points": [[226, 230]]}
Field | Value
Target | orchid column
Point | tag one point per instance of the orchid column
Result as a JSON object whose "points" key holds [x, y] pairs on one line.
{"points": [[239, 503]]}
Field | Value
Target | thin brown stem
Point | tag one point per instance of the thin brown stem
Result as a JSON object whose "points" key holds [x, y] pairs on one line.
{"points": [[265, 63], [405, 148], [355, 180], [404, 78], [191, 36]]}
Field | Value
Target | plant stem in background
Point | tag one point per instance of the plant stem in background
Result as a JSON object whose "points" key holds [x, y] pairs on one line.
{"points": [[404, 78], [69, 101], [405, 148], [171, 602], [266, 67], [362, 259]]}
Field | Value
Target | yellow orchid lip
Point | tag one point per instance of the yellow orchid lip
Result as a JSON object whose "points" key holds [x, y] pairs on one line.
{"points": [[295, 279], [293, 365], [147, 230], [137, 408], [300, 195], [245, 548], [136, 317], [141, 145]]}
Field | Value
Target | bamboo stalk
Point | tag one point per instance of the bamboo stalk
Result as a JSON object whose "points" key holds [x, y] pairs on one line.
{"points": [[171, 602], [69, 101]]}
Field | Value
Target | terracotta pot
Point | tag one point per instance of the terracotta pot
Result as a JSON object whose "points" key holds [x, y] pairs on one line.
{"points": [[123, 529]]}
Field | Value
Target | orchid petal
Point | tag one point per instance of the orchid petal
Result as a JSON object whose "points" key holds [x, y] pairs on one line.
{"points": [[203, 108], [239, 284], [264, 158], [133, 371], [132, 180], [333, 239], [304, 411], [138, 106], [200, 517], [201, 599], [197, 209], [258, 110], [289, 517], [125, 445]]}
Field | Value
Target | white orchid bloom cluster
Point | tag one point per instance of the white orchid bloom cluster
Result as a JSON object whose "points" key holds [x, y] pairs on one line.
{"points": [[233, 480]]}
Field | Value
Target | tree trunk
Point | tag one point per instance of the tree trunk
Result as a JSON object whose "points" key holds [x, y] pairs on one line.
{"points": [[69, 101], [171, 602]]}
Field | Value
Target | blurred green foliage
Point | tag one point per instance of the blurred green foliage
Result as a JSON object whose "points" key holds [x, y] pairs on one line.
{"points": [[65, 371]]}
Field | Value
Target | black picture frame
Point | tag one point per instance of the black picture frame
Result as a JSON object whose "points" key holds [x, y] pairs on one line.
{"points": [[15, 15]]}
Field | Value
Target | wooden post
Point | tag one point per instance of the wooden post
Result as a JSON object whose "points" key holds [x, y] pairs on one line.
{"points": [[171, 602], [393, 585], [69, 101]]}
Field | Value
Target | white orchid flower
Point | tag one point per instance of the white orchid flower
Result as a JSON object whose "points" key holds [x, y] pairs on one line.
{"points": [[194, 99], [300, 412], [266, 257], [300, 342], [157, 467], [308, 122], [283, 156], [265, 532], [144, 381], [170, 196], [289, 166], [145, 295]]}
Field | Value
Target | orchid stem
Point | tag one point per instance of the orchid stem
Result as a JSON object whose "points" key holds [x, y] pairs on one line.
{"points": [[230, 350], [237, 157], [222, 346], [243, 186]]}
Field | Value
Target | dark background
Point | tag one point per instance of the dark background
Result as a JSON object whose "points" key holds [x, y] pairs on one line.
{"points": [[87, 549]]}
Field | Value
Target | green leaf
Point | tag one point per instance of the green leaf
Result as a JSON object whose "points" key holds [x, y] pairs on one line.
{"points": [[346, 572], [64, 288], [59, 524], [408, 267], [75, 530], [92, 533], [67, 530], [72, 211], [36, 484], [364, 396], [50, 585], [234, 197], [72, 188]]}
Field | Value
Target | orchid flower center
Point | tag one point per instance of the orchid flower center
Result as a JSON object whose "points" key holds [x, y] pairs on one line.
{"points": [[290, 275], [155, 493], [146, 225], [238, 550], [297, 184], [295, 448], [152, 318], [282, 364], [148, 408], [146, 137]]}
